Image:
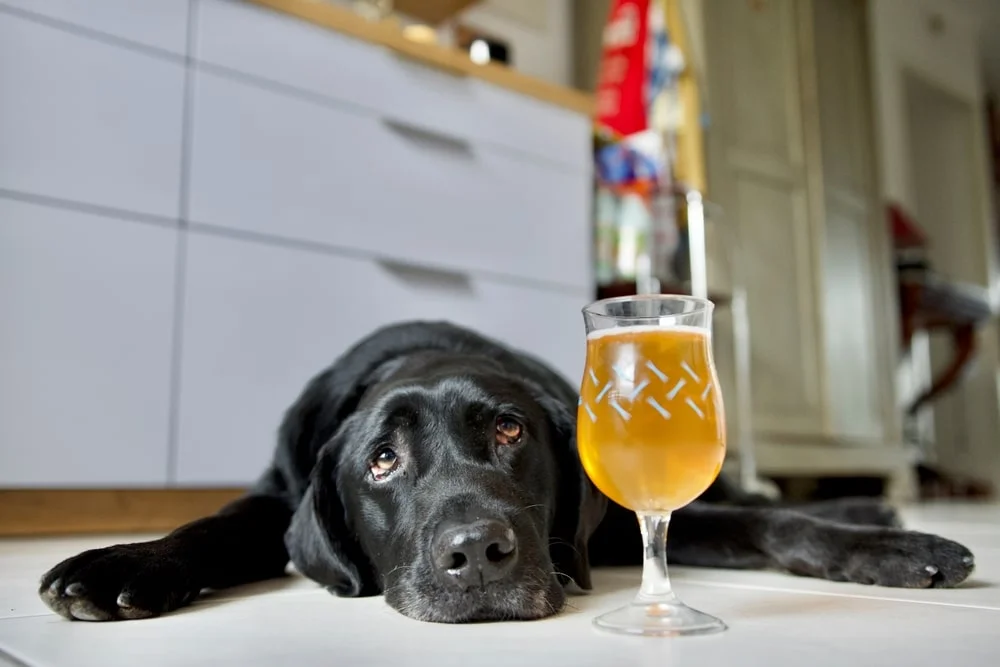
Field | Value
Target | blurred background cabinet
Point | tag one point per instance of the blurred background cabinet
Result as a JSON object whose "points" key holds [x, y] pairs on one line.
{"points": [[790, 162]]}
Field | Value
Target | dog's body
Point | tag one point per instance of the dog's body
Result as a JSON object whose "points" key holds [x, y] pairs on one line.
{"points": [[439, 467]]}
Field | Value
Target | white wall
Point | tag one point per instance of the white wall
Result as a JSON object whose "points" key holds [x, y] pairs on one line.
{"points": [[986, 14], [904, 45], [901, 41]]}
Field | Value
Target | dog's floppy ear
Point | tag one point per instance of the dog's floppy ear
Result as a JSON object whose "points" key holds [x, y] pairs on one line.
{"points": [[319, 541], [579, 505]]}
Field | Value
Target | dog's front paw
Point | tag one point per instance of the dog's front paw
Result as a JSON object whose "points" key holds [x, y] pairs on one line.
{"points": [[126, 581], [906, 559]]}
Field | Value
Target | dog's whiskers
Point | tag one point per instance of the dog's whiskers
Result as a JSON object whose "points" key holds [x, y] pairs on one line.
{"points": [[562, 574], [398, 567], [385, 578], [553, 541]]}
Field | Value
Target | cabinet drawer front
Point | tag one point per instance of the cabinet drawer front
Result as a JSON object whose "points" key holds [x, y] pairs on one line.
{"points": [[158, 23], [261, 320], [85, 348], [293, 52], [273, 164], [87, 121]]}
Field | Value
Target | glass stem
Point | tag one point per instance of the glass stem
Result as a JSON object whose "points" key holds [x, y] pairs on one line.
{"points": [[655, 587]]}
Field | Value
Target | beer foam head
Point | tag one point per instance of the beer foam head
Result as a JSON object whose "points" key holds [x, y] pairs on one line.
{"points": [[664, 329]]}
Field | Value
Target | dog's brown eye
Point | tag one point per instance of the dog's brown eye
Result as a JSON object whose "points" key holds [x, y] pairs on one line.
{"points": [[384, 462], [509, 431]]}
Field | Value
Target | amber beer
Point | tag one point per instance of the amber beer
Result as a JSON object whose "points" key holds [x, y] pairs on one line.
{"points": [[650, 424]]}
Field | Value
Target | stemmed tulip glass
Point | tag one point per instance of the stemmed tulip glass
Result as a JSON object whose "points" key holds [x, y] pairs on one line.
{"points": [[651, 435]]}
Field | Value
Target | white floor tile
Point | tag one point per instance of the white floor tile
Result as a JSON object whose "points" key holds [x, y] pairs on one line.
{"points": [[775, 620], [955, 512], [977, 527], [308, 627]]}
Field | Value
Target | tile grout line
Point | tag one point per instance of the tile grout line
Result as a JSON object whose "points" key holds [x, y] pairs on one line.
{"points": [[180, 276], [28, 615], [12, 659], [774, 589]]}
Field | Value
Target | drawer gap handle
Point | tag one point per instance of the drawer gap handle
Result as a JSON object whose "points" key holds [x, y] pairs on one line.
{"points": [[429, 136], [430, 276]]}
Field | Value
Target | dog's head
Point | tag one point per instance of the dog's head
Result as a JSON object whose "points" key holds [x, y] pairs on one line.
{"points": [[456, 490]]}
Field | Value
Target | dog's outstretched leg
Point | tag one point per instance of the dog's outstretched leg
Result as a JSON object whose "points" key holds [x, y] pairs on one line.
{"points": [[244, 542]]}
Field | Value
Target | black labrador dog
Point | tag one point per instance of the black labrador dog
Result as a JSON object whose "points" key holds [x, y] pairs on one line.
{"points": [[438, 467]]}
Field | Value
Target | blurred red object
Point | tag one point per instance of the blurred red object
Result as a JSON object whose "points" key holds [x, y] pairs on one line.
{"points": [[905, 232], [621, 101]]}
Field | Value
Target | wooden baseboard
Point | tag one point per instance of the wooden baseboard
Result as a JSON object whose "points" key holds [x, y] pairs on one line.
{"points": [[75, 512]]}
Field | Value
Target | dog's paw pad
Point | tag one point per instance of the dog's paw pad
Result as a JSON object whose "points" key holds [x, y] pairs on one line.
{"points": [[903, 559], [121, 582]]}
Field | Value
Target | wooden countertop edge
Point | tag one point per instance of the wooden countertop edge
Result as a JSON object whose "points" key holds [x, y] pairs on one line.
{"points": [[387, 33], [38, 512]]}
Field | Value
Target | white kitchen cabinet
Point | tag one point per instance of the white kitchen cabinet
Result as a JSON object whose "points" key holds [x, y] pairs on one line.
{"points": [[260, 320], [88, 121], [278, 165], [161, 24], [85, 348], [358, 75], [305, 200]]}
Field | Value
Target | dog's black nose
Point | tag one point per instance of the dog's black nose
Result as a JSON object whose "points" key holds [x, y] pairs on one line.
{"points": [[474, 554]]}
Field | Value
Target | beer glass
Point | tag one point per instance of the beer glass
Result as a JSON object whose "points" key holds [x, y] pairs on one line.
{"points": [[651, 435]]}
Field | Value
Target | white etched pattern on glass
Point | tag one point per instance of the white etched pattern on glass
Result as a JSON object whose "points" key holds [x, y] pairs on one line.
{"points": [[656, 391]]}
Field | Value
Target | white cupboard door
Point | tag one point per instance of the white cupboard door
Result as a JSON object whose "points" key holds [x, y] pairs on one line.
{"points": [[758, 176], [269, 163], [261, 320], [85, 348], [161, 24], [88, 121], [857, 306], [298, 55]]}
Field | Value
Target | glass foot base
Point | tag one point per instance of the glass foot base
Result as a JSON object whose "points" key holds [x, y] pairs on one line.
{"points": [[658, 619]]}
